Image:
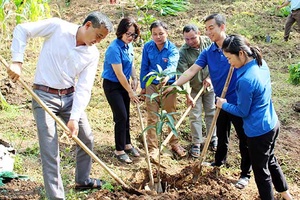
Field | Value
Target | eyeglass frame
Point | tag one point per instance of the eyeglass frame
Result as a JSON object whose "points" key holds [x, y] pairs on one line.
{"points": [[133, 35]]}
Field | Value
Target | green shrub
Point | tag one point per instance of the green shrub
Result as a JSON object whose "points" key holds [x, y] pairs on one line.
{"points": [[167, 7], [145, 20], [30, 10], [294, 71]]}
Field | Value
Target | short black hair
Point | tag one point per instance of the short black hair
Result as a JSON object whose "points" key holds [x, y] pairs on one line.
{"points": [[190, 27], [220, 19], [157, 24]]}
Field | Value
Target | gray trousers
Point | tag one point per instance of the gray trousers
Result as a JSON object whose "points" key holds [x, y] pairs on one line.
{"points": [[49, 144], [207, 101]]}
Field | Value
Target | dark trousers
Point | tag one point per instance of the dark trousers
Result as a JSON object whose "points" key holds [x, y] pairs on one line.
{"points": [[223, 132], [265, 166], [119, 102], [291, 19]]}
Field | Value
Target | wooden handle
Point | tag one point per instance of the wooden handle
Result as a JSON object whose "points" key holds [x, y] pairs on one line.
{"points": [[213, 124], [166, 141], [146, 147]]}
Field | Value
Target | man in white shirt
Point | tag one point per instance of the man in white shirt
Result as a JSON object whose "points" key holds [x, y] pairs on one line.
{"points": [[64, 78]]}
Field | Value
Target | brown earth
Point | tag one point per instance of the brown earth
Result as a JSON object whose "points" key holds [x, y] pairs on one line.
{"points": [[176, 174]]}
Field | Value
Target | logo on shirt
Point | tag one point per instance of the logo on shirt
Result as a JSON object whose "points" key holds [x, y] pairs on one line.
{"points": [[165, 59]]}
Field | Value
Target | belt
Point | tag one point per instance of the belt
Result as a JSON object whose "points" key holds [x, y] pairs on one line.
{"points": [[53, 90], [296, 9]]}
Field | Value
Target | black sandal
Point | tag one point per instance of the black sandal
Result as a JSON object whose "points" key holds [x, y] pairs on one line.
{"points": [[92, 184], [133, 151], [123, 158], [195, 151]]}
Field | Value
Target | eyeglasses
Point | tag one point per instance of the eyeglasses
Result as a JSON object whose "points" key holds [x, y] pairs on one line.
{"points": [[134, 35]]}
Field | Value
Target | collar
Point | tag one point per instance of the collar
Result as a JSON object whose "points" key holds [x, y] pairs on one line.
{"points": [[74, 30], [185, 46], [121, 43], [166, 44], [244, 68], [215, 47]]}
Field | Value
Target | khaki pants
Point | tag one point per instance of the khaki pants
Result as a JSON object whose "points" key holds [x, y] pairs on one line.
{"points": [[207, 101], [168, 104]]}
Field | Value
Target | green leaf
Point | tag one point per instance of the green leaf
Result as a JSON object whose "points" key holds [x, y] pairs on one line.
{"points": [[153, 96], [167, 72], [171, 120], [163, 114], [18, 2], [294, 71], [159, 126], [159, 68], [147, 128], [173, 113], [158, 115], [3, 3], [172, 128], [8, 174], [152, 73], [150, 80]]}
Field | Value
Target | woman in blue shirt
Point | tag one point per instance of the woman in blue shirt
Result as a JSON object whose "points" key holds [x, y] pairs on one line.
{"points": [[159, 51], [118, 68], [254, 105]]}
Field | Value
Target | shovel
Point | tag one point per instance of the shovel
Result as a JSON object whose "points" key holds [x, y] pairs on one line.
{"points": [[166, 141], [146, 147], [198, 166], [74, 137]]}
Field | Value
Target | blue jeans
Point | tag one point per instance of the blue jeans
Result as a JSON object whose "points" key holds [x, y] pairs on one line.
{"points": [[49, 144]]}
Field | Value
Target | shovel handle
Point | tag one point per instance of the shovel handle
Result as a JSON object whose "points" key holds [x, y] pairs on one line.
{"points": [[166, 141], [146, 147], [63, 125], [213, 125]]}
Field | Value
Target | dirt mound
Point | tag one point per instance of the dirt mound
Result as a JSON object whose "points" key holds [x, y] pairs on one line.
{"points": [[21, 190]]}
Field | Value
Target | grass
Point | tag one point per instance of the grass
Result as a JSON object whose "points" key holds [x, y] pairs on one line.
{"points": [[253, 19]]}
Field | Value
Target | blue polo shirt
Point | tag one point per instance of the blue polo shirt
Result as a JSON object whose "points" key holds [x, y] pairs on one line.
{"points": [[117, 53], [254, 103], [167, 58], [218, 67]]}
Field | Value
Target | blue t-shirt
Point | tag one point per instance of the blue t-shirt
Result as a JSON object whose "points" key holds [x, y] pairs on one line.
{"points": [[167, 58], [218, 67], [117, 53], [254, 103]]}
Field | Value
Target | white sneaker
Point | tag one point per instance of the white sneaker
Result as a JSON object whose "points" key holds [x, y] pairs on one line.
{"points": [[242, 182]]}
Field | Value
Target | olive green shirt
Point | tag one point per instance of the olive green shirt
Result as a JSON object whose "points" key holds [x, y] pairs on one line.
{"points": [[188, 56]]}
